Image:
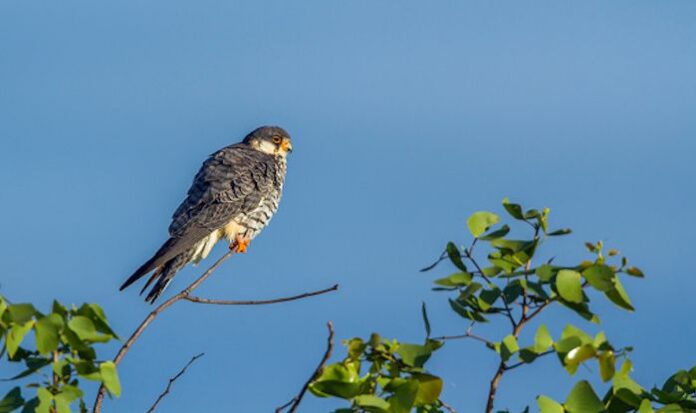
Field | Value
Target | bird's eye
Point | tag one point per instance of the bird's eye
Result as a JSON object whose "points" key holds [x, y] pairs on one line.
{"points": [[276, 139]]}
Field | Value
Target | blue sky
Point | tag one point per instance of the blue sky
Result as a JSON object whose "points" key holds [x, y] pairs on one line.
{"points": [[406, 117]]}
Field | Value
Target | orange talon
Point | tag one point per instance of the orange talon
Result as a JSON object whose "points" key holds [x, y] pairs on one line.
{"points": [[240, 245]]}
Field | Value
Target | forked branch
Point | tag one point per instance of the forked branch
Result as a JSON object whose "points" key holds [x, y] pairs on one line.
{"points": [[171, 382], [185, 294]]}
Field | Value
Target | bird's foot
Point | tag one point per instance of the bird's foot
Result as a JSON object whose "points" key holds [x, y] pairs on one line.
{"points": [[240, 245]]}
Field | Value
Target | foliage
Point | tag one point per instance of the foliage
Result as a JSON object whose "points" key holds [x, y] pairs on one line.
{"points": [[395, 381], [64, 341], [512, 287]]}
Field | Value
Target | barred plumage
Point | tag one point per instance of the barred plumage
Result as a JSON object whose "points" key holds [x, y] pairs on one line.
{"points": [[235, 194]]}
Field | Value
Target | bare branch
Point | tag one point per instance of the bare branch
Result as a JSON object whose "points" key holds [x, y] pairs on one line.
{"points": [[172, 380], [183, 294], [138, 331], [468, 334], [260, 302], [317, 372], [447, 407]]}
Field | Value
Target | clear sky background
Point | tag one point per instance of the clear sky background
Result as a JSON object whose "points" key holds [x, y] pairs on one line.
{"points": [[406, 117]]}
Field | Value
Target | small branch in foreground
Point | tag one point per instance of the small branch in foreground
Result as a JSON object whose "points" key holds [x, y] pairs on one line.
{"points": [[468, 334], [172, 380], [521, 363], [447, 407], [292, 404], [260, 302], [184, 294]]}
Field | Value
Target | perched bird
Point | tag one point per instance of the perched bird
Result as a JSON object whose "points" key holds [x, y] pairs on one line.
{"points": [[233, 197]]}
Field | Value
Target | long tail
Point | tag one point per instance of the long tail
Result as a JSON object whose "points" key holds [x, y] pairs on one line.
{"points": [[164, 275], [161, 257], [166, 262]]}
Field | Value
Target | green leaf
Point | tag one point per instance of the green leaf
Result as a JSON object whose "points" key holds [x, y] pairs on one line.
{"points": [[85, 329], [59, 309], [558, 232], [569, 286], [600, 276], [645, 407], [455, 256], [499, 233], [548, 405], [512, 291], [514, 210], [625, 388], [47, 333], [542, 339], [508, 347], [21, 313], [619, 296], [109, 377], [429, 389], [45, 400], [70, 393], [577, 356], [457, 279], [635, 271], [480, 221], [544, 272], [583, 399], [487, 298], [414, 355], [583, 310], [371, 403], [12, 401], [404, 397], [16, 335], [572, 331], [607, 363], [465, 312], [338, 380], [426, 322], [95, 313]]}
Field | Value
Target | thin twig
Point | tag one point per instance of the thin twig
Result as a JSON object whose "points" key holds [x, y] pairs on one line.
{"points": [[468, 254], [521, 363], [503, 367], [447, 406], [317, 372], [138, 331], [260, 302], [463, 336], [468, 334], [183, 294], [172, 380]]}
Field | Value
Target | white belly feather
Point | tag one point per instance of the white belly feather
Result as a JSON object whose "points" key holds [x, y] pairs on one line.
{"points": [[204, 246]]}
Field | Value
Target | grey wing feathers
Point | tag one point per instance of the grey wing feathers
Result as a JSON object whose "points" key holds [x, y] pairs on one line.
{"points": [[232, 181]]}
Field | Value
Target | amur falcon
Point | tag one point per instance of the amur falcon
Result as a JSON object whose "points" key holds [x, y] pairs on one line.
{"points": [[233, 197]]}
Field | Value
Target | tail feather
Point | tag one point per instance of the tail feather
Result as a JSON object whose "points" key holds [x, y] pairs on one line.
{"points": [[160, 258], [170, 258], [164, 275]]}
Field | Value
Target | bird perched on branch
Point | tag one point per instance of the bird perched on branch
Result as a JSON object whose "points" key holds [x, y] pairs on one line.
{"points": [[233, 197]]}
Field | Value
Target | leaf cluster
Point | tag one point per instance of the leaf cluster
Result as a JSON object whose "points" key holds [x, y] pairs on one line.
{"points": [[509, 280], [63, 351], [382, 376], [677, 395]]}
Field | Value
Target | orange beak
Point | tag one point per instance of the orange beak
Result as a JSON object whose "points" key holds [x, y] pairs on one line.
{"points": [[285, 145]]}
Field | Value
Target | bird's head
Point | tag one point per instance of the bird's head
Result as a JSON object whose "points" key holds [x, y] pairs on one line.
{"points": [[271, 140]]}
